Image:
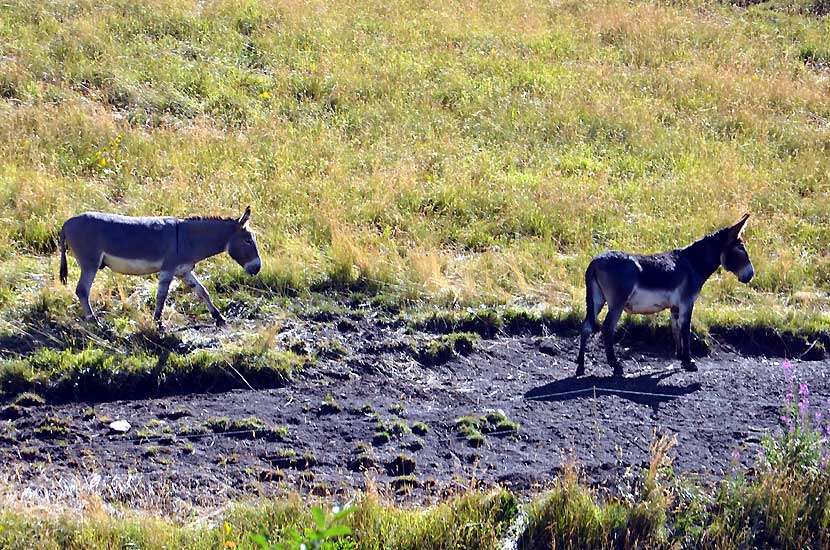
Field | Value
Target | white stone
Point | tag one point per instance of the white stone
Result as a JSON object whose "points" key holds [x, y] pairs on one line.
{"points": [[121, 426]]}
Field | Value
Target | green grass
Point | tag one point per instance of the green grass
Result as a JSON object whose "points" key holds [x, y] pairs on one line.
{"points": [[99, 374], [455, 155], [475, 428], [778, 509]]}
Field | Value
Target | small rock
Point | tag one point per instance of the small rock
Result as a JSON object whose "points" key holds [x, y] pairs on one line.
{"points": [[120, 426]]}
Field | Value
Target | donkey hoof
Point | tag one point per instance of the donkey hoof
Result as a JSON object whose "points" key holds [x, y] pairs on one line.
{"points": [[220, 321], [689, 365], [618, 370], [580, 371]]}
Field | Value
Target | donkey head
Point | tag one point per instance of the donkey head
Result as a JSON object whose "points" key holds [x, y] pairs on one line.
{"points": [[242, 245], [734, 256]]}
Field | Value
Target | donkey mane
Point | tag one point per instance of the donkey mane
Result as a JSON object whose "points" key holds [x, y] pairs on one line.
{"points": [[209, 218]]}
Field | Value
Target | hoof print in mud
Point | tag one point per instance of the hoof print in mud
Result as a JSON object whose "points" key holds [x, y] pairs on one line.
{"points": [[548, 347], [270, 474], [12, 412], [363, 458], [401, 465]]}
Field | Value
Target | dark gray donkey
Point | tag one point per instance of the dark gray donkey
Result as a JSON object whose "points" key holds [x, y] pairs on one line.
{"points": [[165, 245], [648, 284]]}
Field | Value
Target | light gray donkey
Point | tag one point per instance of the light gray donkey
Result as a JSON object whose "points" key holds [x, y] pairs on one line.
{"points": [[165, 245]]}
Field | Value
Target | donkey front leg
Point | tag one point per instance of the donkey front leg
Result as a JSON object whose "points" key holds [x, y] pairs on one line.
{"points": [[197, 288], [686, 337], [675, 332], [609, 325], [165, 278]]}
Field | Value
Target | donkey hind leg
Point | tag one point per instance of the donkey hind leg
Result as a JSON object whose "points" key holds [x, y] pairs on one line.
{"points": [[165, 278], [609, 325], [83, 289], [675, 332], [595, 301], [199, 290]]}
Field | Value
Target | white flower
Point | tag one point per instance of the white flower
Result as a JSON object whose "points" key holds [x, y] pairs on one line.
{"points": [[336, 509], [302, 546]]}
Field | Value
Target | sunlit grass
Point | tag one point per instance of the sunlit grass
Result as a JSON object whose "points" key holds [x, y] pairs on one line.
{"points": [[460, 154]]}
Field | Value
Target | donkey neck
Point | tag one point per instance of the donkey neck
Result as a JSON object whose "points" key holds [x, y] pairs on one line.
{"points": [[200, 239], [704, 254]]}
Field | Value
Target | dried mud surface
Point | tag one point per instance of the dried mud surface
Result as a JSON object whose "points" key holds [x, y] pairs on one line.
{"points": [[175, 456]]}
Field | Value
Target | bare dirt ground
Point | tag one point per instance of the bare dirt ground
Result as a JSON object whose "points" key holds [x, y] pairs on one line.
{"points": [[175, 456]]}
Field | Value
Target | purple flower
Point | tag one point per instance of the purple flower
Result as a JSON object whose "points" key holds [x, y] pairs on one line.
{"points": [[787, 367], [803, 389], [789, 396], [818, 416]]}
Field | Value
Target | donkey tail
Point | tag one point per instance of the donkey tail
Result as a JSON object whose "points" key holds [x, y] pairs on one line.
{"points": [[64, 270], [592, 292]]}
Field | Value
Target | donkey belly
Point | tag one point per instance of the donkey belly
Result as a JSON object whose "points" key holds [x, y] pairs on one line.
{"points": [[131, 266], [644, 300]]}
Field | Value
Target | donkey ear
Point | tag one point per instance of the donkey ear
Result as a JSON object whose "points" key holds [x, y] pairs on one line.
{"points": [[736, 230], [244, 219]]}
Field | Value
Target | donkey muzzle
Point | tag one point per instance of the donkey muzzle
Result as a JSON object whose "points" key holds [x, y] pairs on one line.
{"points": [[253, 267], [746, 274]]}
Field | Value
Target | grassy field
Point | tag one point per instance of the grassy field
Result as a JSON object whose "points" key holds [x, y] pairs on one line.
{"points": [[427, 156], [465, 153]]}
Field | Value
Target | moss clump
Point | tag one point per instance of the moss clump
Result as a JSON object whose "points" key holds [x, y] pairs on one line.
{"points": [[419, 428], [250, 427], [329, 406], [474, 428], [28, 399], [363, 458], [404, 484], [381, 438], [52, 427], [440, 350]]}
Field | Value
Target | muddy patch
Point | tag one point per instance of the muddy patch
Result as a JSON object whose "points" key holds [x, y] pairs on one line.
{"points": [[416, 412]]}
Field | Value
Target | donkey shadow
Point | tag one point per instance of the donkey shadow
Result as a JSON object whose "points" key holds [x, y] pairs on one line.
{"points": [[644, 389]]}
